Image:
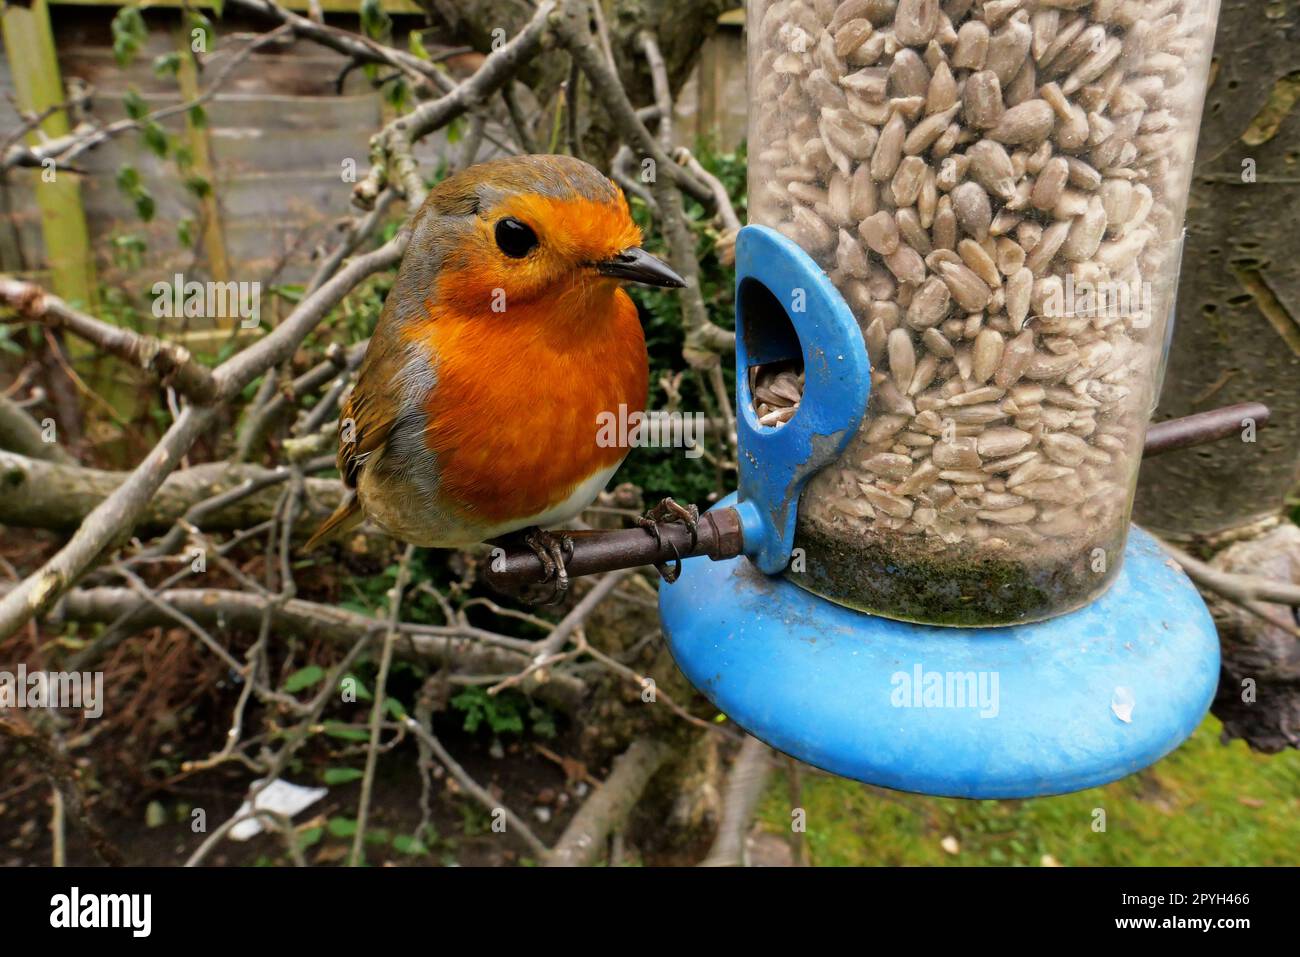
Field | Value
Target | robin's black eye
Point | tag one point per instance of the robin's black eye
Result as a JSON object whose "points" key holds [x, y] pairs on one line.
{"points": [[514, 238]]}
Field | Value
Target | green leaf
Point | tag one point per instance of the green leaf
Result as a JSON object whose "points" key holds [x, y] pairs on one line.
{"points": [[375, 21], [167, 64], [198, 185], [155, 815], [405, 844], [198, 22], [134, 103], [415, 43], [363, 693], [155, 138], [304, 678], [310, 837], [198, 116], [218, 7], [185, 231], [130, 243], [294, 291], [342, 826], [543, 722], [128, 181], [395, 94], [394, 709], [144, 206], [341, 775], [129, 34], [342, 731]]}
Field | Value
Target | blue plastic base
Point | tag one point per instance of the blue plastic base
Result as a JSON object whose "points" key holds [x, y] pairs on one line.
{"points": [[977, 713]]}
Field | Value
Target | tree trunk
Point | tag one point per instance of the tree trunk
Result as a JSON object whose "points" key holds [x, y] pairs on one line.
{"points": [[1238, 335], [1238, 339]]}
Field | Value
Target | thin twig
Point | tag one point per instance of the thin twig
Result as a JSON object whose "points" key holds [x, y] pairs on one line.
{"points": [[475, 790], [377, 708]]}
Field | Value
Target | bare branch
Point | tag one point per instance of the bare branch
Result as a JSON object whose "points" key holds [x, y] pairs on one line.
{"points": [[391, 147], [354, 45], [120, 512], [573, 25], [726, 214], [457, 646], [1237, 588], [745, 787], [20, 433], [583, 841], [86, 136], [172, 364], [42, 494], [473, 788]]}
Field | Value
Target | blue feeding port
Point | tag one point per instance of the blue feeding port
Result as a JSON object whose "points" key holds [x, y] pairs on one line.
{"points": [[1009, 712]]}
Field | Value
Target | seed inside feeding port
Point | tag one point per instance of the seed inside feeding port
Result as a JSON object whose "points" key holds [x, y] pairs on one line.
{"points": [[776, 389]]}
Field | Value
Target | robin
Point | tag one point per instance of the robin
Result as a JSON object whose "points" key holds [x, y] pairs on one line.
{"points": [[506, 336]]}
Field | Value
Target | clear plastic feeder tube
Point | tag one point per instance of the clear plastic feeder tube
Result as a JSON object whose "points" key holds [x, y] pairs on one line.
{"points": [[997, 189]]}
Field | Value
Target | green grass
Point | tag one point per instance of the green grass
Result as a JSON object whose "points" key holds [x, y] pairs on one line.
{"points": [[1206, 804]]}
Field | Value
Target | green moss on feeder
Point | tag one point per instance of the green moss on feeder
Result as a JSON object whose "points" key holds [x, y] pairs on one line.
{"points": [[919, 580]]}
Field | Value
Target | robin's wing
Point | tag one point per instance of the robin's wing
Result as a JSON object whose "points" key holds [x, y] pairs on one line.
{"points": [[365, 420], [367, 416]]}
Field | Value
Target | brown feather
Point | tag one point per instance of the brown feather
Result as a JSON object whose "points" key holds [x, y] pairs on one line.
{"points": [[346, 516]]}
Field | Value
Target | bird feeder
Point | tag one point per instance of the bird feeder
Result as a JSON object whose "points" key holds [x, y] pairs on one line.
{"points": [[952, 307]]}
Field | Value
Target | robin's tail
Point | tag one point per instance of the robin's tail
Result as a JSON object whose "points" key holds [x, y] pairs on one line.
{"points": [[346, 517]]}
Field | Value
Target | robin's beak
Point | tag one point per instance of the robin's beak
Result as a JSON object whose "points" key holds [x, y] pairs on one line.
{"points": [[639, 266]]}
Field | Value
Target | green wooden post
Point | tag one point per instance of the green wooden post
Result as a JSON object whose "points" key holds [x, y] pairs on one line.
{"points": [[214, 238], [29, 45]]}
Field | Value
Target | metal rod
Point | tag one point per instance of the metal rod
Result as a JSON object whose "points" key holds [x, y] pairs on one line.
{"points": [[719, 536], [1203, 427], [720, 532]]}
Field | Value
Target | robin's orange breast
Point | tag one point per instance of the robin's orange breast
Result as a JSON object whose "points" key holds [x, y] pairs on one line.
{"points": [[514, 416]]}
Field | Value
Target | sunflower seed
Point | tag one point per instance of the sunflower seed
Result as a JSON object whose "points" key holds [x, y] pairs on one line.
{"points": [[982, 100], [986, 354], [888, 503], [968, 290], [972, 46], [928, 308], [1008, 48], [906, 185], [971, 205], [902, 357], [916, 21], [889, 149], [906, 264], [880, 232], [1028, 122], [991, 167]]}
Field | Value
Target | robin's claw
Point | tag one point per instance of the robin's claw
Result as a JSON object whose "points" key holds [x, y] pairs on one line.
{"points": [[670, 511], [671, 574], [651, 526], [553, 551]]}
